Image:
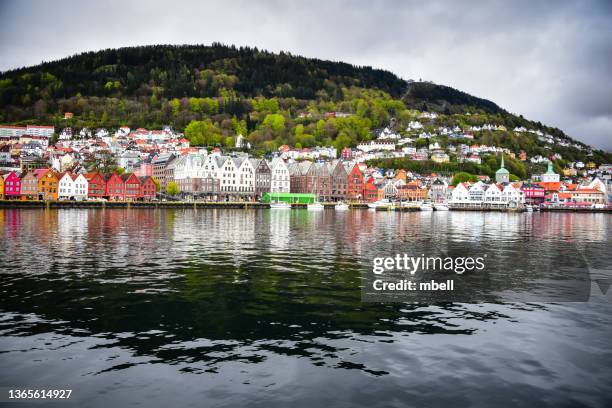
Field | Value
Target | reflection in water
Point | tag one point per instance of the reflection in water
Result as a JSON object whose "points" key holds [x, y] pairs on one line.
{"points": [[256, 300]]}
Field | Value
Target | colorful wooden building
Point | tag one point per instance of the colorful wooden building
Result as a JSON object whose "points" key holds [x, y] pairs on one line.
{"points": [[96, 188], [12, 186], [148, 188], [115, 187]]}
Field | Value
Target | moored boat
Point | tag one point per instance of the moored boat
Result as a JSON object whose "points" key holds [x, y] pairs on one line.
{"points": [[440, 207], [316, 206], [426, 207], [341, 206], [280, 205], [379, 204]]}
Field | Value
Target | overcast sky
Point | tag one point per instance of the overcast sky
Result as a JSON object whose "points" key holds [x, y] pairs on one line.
{"points": [[550, 61]]}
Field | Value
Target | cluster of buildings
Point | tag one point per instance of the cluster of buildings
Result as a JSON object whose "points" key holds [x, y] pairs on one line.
{"points": [[47, 184], [549, 191], [149, 161]]}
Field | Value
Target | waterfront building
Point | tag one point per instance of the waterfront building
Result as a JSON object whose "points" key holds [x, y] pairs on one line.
{"points": [[355, 183], [131, 187], [160, 163], [115, 187], [47, 184], [148, 188], [476, 192], [263, 177], [412, 191], [246, 179], [534, 193], [280, 179], [370, 190], [298, 177], [189, 172], [96, 185], [461, 193], [72, 187], [437, 190], [1, 187], [339, 182], [12, 185], [292, 198], [29, 186], [492, 195], [588, 195]]}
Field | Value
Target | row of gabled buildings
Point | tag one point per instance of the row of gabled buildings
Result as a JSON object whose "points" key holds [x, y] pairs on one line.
{"points": [[46, 184]]}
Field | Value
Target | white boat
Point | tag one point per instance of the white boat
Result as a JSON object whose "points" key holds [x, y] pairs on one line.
{"points": [[280, 206], [529, 208], [426, 207], [341, 206], [379, 204], [316, 206], [441, 207]]}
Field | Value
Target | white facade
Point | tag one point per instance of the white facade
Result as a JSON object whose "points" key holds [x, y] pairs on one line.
{"points": [[190, 166], [246, 175], [279, 176], [72, 187], [481, 193], [460, 194]]}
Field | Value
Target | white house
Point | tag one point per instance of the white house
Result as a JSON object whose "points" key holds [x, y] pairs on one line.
{"points": [[513, 194], [246, 175], [460, 194], [279, 181], [189, 166], [494, 194], [72, 187], [477, 192]]}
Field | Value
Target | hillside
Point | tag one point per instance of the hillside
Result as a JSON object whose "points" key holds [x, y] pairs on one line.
{"points": [[215, 92]]}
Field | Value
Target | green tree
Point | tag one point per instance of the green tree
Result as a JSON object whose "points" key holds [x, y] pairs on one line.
{"points": [[157, 184], [463, 177], [172, 188]]}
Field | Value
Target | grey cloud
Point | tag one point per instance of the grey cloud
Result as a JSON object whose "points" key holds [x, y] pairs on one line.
{"points": [[548, 60]]}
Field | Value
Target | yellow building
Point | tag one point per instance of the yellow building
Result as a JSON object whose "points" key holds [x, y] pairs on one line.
{"points": [[1, 187], [569, 172]]}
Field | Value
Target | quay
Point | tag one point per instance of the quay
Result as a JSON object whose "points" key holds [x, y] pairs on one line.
{"points": [[150, 204]]}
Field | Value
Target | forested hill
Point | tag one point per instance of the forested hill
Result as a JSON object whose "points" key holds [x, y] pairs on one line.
{"points": [[196, 70], [169, 71], [215, 92]]}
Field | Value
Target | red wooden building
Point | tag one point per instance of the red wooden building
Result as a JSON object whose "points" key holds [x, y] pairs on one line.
{"points": [[115, 187], [355, 184], [148, 188], [131, 187], [96, 188], [370, 190], [535, 194]]}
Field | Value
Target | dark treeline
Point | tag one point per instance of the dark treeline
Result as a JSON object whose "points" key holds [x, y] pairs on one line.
{"points": [[189, 70]]}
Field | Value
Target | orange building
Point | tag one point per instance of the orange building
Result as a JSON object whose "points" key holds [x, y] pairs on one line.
{"points": [[47, 184], [412, 192], [401, 175], [1, 187]]}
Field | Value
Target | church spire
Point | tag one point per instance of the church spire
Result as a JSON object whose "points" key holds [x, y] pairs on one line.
{"points": [[502, 163]]}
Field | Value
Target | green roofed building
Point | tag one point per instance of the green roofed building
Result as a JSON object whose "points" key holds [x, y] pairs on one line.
{"points": [[502, 175], [292, 198]]}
